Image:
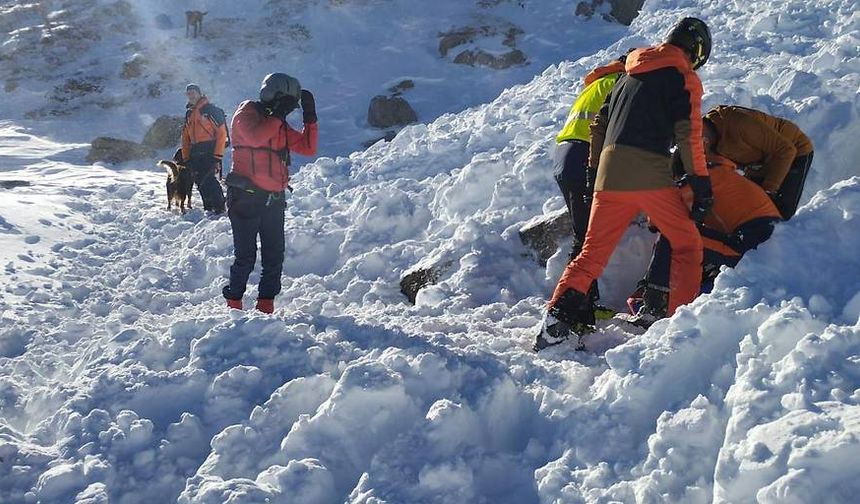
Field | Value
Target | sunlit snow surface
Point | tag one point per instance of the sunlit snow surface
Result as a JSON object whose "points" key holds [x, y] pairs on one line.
{"points": [[124, 379]]}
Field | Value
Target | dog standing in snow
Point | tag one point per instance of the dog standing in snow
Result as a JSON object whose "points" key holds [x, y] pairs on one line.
{"points": [[194, 19], [180, 182]]}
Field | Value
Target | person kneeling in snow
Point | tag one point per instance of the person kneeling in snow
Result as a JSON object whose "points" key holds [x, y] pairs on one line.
{"points": [[262, 142], [655, 103], [775, 153], [742, 218]]}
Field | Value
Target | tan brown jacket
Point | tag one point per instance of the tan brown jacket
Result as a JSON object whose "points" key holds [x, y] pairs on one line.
{"points": [[747, 136]]}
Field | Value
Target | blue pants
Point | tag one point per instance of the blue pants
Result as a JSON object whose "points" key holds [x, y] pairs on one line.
{"points": [[570, 164], [251, 215], [204, 169]]}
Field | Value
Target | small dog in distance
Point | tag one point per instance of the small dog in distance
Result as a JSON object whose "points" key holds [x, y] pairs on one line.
{"points": [[180, 182], [194, 19]]}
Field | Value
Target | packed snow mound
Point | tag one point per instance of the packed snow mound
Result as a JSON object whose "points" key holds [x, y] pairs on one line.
{"points": [[118, 65], [123, 379]]}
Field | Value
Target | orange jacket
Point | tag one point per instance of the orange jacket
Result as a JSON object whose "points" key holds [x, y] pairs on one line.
{"points": [[262, 145], [655, 104], [737, 200], [205, 131], [747, 136]]}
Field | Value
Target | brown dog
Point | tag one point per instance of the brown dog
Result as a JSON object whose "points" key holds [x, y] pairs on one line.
{"points": [[194, 18], [180, 182]]}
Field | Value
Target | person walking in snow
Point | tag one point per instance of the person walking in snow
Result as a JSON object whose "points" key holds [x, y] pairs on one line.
{"points": [[574, 177], [656, 103], [256, 184], [773, 151], [742, 218], [204, 139]]}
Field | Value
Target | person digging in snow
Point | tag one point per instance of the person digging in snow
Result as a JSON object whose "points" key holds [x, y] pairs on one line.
{"points": [[655, 103], [204, 139], [742, 218], [256, 184], [774, 152], [570, 160]]}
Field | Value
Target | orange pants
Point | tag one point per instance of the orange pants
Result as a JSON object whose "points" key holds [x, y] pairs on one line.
{"points": [[611, 214]]}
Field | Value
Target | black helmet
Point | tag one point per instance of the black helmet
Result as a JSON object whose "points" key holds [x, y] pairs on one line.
{"points": [[279, 85], [692, 35]]}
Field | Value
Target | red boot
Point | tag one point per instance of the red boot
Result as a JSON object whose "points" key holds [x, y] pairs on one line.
{"points": [[266, 305], [236, 304]]}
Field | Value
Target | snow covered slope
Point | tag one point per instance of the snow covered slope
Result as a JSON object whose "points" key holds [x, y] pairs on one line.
{"points": [[117, 65], [122, 378]]}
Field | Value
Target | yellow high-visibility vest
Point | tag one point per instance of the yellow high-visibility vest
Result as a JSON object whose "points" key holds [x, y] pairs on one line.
{"points": [[585, 108]]}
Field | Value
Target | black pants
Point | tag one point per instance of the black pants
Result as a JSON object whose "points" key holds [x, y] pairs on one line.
{"points": [[570, 164], [251, 215], [204, 169], [747, 237], [788, 196]]}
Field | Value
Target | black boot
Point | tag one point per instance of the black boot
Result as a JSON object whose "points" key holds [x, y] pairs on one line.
{"points": [[655, 306], [572, 313]]}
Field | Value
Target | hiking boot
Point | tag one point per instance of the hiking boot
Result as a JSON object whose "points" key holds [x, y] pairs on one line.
{"points": [[572, 313], [235, 304], [655, 305], [266, 305]]}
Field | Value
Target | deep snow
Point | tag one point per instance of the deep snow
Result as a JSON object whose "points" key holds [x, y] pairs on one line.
{"points": [[124, 379]]}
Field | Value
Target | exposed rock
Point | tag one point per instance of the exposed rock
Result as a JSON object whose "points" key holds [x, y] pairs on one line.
{"points": [[456, 38], [163, 22], [11, 184], [385, 112], [401, 87], [133, 68], [482, 58], [623, 11], [388, 136], [468, 34], [165, 132], [114, 151], [544, 234], [421, 277], [76, 88]]}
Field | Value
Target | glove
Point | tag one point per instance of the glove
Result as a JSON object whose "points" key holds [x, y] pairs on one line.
{"points": [[703, 197], [309, 107]]}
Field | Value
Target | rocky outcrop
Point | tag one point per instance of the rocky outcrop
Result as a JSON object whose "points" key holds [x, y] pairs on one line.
{"points": [[11, 184], [115, 151], [469, 34], [421, 277], [133, 67], [623, 11], [386, 112], [544, 234], [401, 86], [482, 58], [165, 132]]}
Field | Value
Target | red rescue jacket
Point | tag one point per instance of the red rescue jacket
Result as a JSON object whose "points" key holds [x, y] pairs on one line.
{"points": [[262, 145]]}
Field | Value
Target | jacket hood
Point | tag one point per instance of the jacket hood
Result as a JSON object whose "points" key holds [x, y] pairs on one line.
{"points": [[614, 67], [648, 59]]}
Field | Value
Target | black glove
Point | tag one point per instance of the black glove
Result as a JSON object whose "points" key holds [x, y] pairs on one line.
{"points": [[703, 197], [309, 107]]}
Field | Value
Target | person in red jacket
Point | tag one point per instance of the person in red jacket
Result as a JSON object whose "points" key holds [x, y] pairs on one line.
{"points": [[656, 103], [262, 146]]}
